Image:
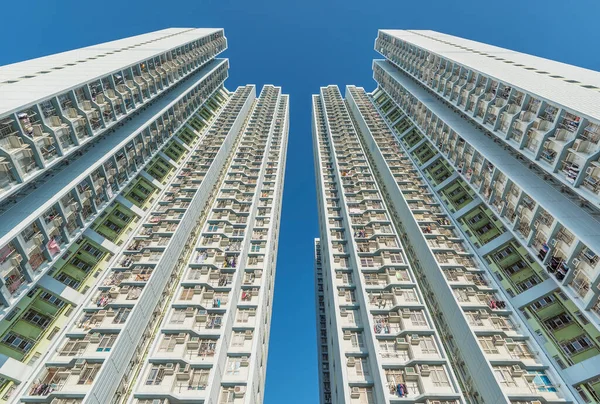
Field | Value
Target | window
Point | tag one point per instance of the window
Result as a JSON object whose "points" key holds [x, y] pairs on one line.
{"points": [[582, 394], [577, 345], [357, 340], [438, 376], [583, 319], [67, 280], [238, 339], [409, 295], [488, 345], [227, 396], [121, 315], [557, 322], [207, 347], [106, 342], [36, 318], [92, 251], [198, 379], [418, 318], [367, 262], [244, 315], [168, 343], [12, 314], [474, 319], [117, 213], [428, 345], [503, 375], [544, 301], [17, 342], [396, 258], [366, 395], [89, 373], [233, 366], [361, 367], [73, 347], [387, 349], [156, 375], [187, 293], [505, 252], [112, 226]]}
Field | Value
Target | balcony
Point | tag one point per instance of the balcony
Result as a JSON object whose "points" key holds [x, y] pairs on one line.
{"points": [[592, 177], [519, 382], [66, 380], [13, 276], [116, 295], [179, 380], [7, 179]]}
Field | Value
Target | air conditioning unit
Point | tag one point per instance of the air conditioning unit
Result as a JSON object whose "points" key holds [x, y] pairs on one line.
{"points": [[517, 371], [424, 370], [95, 338], [245, 361], [347, 334], [38, 239], [553, 242], [239, 391], [406, 313], [248, 334], [499, 340], [16, 260], [169, 368], [410, 373], [201, 316], [483, 313], [415, 339], [180, 338], [182, 376], [341, 292], [351, 361], [470, 292], [343, 312], [576, 262], [401, 342]]}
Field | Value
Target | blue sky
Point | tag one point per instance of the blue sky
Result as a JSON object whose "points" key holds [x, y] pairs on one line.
{"points": [[301, 46]]}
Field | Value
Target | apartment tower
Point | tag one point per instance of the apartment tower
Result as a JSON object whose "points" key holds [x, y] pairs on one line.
{"points": [[139, 210], [486, 163]]}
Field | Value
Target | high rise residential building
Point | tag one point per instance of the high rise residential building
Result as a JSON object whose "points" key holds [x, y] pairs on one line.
{"points": [[139, 214], [380, 341], [487, 161]]}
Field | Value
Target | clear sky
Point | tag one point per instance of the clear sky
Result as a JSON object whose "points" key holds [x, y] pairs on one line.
{"points": [[301, 45]]}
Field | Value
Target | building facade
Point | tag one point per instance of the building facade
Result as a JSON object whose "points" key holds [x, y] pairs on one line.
{"points": [[486, 157], [381, 342], [123, 163]]}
